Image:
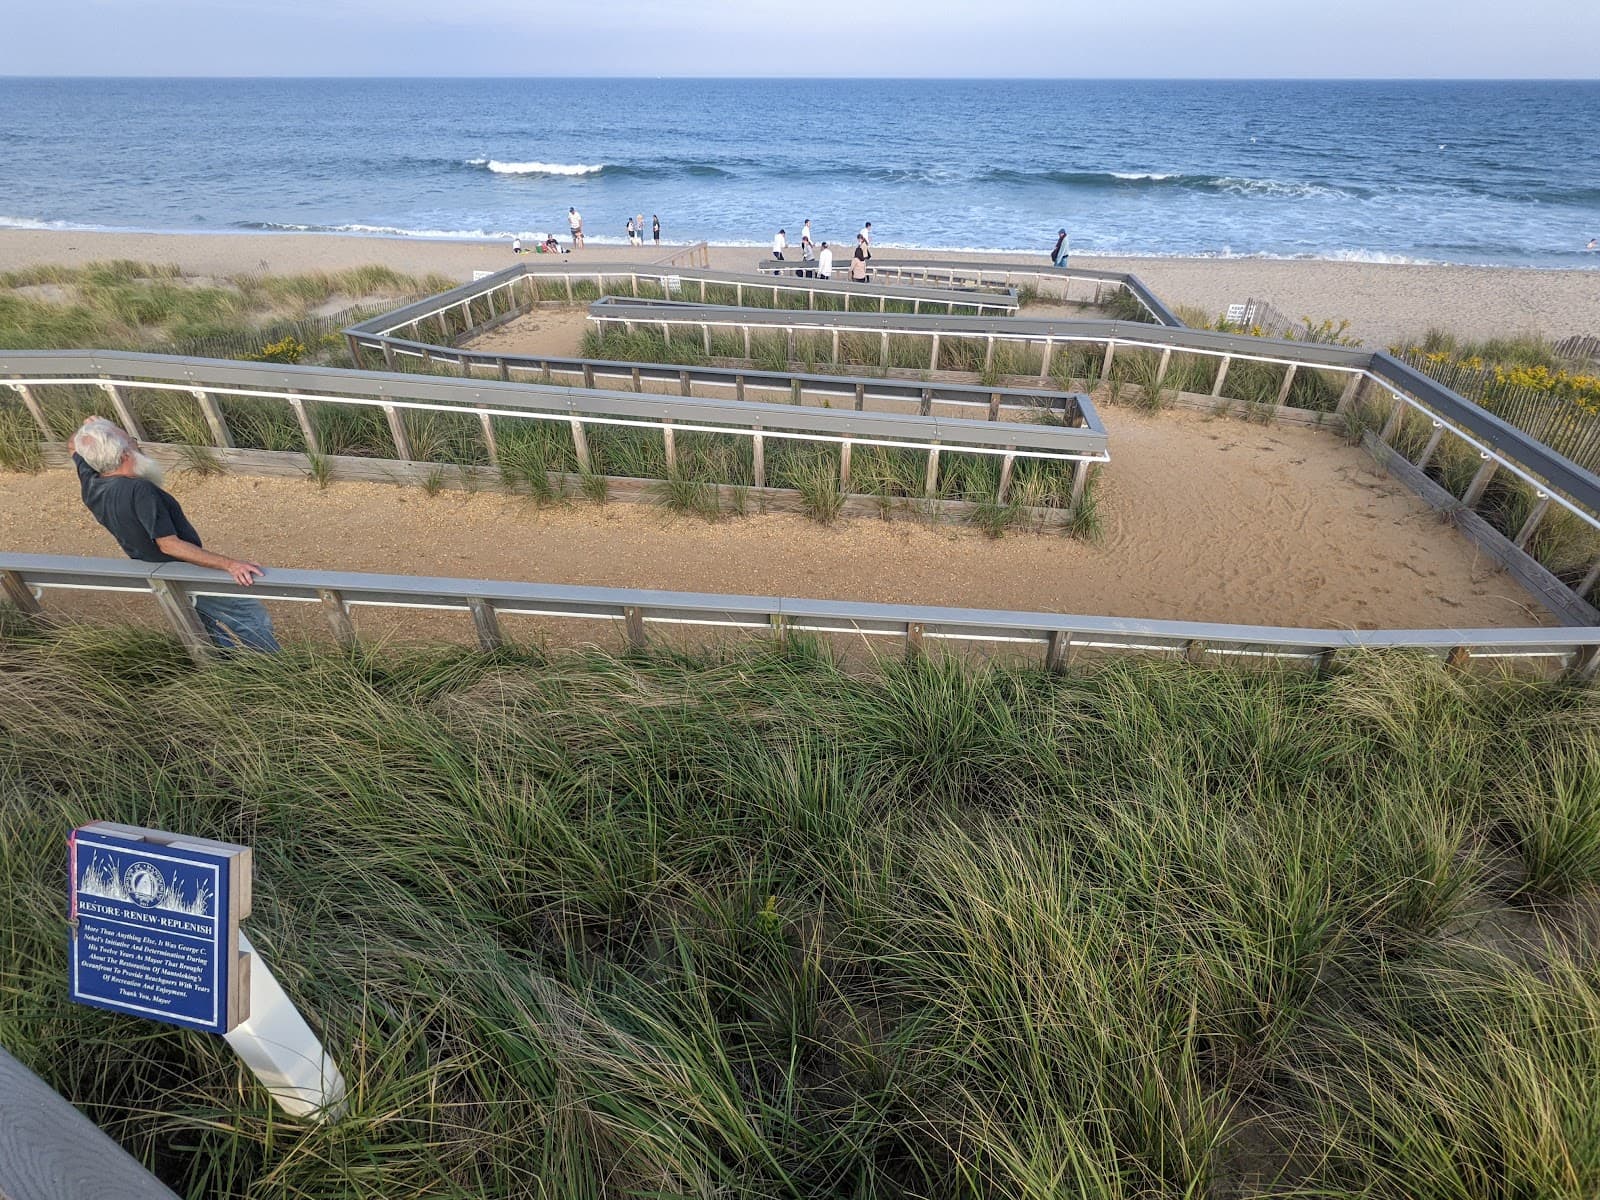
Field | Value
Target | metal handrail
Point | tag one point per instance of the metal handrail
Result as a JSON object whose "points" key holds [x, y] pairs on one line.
{"points": [[1074, 407], [45, 368], [508, 279], [973, 275], [1058, 634], [1570, 485]]}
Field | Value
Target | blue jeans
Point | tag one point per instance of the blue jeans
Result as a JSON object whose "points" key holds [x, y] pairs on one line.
{"points": [[237, 622]]}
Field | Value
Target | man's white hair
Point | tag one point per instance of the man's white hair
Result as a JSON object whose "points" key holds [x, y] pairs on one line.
{"points": [[102, 444]]}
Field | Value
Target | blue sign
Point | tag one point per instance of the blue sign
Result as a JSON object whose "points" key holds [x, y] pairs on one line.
{"points": [[155, 926]]}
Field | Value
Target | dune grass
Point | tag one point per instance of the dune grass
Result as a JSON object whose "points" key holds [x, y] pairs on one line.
{"points": [[125, 305], [752, 925]]}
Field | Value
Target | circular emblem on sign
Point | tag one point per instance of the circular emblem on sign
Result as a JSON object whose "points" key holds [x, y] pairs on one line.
{"points": [[144, 883]]}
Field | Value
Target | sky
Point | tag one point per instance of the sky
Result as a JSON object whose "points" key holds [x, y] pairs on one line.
{"points": [[1520, 39]]}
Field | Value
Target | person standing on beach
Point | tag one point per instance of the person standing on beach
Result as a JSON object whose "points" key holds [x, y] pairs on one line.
{"points": [[858, 262], [655, 228], [805, 239], [638, 223], [865, 237], [825, 262], [633, 234], [780, 243], [1058, 256], [121, 487], [575, 224]]}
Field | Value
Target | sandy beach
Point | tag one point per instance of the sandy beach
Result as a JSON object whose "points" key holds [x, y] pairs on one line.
{"points": [[1205, 519], [1383, 302]]}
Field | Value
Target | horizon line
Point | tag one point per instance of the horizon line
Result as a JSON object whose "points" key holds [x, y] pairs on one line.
{"points": [[834, 78]]}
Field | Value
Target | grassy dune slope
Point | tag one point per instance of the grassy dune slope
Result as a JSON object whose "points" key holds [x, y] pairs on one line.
{"points": [[756, 927]]}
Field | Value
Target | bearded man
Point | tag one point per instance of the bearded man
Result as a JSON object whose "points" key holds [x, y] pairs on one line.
{"points": [[122, 488]]}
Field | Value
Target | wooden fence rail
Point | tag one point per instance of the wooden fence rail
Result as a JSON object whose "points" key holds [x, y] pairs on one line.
{"points": [[1056, 636]]}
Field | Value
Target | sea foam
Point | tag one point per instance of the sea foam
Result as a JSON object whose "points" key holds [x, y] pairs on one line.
{"points": [[536, 168]]}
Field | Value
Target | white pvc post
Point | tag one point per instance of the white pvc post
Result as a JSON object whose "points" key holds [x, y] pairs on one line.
{"points": [[279, 1047]]}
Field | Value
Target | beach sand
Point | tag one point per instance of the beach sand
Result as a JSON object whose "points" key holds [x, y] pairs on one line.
{"points": [[1205, 519], [1384, 302]]}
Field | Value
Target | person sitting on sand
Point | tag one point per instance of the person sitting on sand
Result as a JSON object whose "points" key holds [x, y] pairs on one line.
{"points": [[122, 488], [1058, 256], [516, 245], [551, 246]]}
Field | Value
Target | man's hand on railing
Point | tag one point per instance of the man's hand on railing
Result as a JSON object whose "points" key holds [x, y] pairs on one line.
{"points": [[244, 573]]}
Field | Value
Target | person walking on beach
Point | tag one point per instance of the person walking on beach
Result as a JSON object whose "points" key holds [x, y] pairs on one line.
{"points": [[865, 237], [807, 255], [655, 228], [638, 224], [633, 233], [575, 224], [121, 487], [858, 262], [1058, 256], [805, 239], [825, 262], [780, 243]]}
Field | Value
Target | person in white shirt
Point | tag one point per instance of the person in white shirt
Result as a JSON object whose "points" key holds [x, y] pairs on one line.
{"points": [[780, 243], [575, 224], [866, 236], [825, 262], [516, 245], [805, 236]]}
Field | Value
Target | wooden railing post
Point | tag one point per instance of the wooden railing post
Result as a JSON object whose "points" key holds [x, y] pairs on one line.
{"points": [[491, 442], [1348, 396], [671, 443], [1006, 465], [1058, 651], [1288, 382], [34, 410], [307, 430], [1392, 425], [580, 447], [124, 412], [930, 482], [1105, 365], [19, 593], [174, 603], [844, 465], [758, 452], [487, 625], [1222, 374], [333, 607], [1044, 362], [212, 412], [913, 639], [1433, 444], [1480, 481], [397, 430], [633, 619], [1540, 508]]}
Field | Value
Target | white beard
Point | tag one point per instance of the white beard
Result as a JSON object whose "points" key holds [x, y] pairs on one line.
{"points": [[145, 467]]}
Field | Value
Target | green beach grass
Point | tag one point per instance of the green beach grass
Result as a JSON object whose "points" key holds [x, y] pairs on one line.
{"points": [[753, 925], [125, 305]]}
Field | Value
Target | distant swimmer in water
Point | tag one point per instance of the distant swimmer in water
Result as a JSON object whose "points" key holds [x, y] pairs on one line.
{"points": [[1594, 244]]}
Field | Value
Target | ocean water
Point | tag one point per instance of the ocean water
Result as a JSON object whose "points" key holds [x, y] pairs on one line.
{"points": [[1467, 172]]}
